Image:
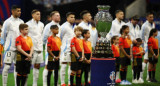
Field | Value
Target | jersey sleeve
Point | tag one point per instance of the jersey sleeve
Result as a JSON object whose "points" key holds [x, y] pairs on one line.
{"points": [[49, 42], [150, 42], [46, 33], [18, 42], [121, 42], [5, 29], [113, 49], [73, 43], [134, 51]]}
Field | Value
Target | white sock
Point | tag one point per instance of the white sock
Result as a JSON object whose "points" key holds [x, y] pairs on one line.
{"points": [[26, 81], [45, 73], [5, 74], [53, 73], [15, 76], [143, 68], [117, 75], [35, 76], [147, 71], [89, 76], [62, 73], [69, 73]]}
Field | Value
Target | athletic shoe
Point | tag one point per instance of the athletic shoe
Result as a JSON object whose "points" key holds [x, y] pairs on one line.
{"points": [[150, 80], [123, 82], [127, 82], [118, 80], [140, 80], [147, 78], [135, 81], [63, 85], [154, 80]]}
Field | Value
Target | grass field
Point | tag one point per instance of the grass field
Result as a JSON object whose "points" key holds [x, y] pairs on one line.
{"points": [[40, 81]]}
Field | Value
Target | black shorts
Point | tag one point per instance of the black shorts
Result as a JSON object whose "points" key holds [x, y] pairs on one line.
{"points": [[137, 64], [125, 61], [85, 66], [118, 60], [22, 65], [152, 59], [118, 63], [53, 65], [75, 64]]}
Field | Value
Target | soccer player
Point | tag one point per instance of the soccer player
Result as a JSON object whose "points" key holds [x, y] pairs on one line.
{"points": [[115, 49], [53, 48], [125, 53], [86, 24], [134, 29], [153, 54], [25, 50], [9, 34], [87, 54], [117, 23], [145, 29], [76, 56], [46, 33], [67, 33], [138, 53], [1, 49], [35, 32]]}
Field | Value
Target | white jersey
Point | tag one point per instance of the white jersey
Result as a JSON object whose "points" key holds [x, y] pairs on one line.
{"points": [[35, 32], [93, 32], [10, 31], [67, 33], [134, 31], [145, 30], [115, 28], [47, 32]]}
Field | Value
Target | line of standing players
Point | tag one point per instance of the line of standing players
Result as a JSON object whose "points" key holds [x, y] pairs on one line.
{"points": [[67, 44]]}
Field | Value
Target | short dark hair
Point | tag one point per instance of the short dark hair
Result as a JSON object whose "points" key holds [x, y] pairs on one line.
{"points": [[53, 27], [34, 11], [149, 13], [84, 32], [0, 30], [117, 11], [78, 28], [22, 26], [14, 7], [53, 12], [123, 28], [83, 13], [113, 38], [69, 13], [138, 40]]}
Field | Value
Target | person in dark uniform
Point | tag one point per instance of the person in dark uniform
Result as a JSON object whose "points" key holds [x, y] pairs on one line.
{"points": [[138, 53], [153, 54], [125, 53], [76, 56], [25, 50]]}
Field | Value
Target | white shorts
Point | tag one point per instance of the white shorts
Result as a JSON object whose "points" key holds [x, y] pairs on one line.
{"points": [[65, 57], [46, 58], [146, 52], [37, 57], [10, 56]]}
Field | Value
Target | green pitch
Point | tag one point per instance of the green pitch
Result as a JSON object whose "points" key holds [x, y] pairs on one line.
{"points": [[40, 81]]}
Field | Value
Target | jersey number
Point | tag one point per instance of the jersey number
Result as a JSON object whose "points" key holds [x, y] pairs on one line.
{"points": [[8, 54]]}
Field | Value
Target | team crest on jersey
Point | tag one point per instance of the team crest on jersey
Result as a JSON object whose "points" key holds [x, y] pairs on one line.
{"points": [[17, 41]]}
